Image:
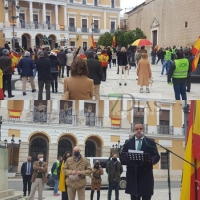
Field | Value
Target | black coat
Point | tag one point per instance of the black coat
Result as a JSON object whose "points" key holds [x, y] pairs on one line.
{"points": [[5, 65], [123, 59], [26, 66], [54, 64], [62, 57], [145, 183], [24, 168], [43, 66], [95, 70]]}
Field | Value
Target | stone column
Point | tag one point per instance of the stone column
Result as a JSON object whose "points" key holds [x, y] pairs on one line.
{"points": [[53, 151], [105, 152], [124, 121], [31, 11], [82, 118], [82, 148], [56, 17], [105, 21], [106, 118], [23, 154], [7, 23], [44, 15], [3, 170], [55, 111], [65, 18]]}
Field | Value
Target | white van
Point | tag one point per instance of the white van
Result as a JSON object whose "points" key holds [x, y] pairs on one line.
{"points": [[104, 177]]}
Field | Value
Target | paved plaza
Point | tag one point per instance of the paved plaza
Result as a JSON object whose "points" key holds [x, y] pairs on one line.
{"points": [[159, 90]]}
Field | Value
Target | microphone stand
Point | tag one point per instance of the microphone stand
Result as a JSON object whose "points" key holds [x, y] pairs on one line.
{"points": [[168, 165]]}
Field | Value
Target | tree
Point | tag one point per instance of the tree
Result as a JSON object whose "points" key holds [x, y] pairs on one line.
{"points": [[105, 39], [139, 34]]}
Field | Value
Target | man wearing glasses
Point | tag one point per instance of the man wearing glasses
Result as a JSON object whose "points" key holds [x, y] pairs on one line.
{"points": [[144, 180]]}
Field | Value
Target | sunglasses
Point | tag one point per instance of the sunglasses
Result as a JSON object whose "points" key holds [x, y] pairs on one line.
{"points": [[138, 129]]}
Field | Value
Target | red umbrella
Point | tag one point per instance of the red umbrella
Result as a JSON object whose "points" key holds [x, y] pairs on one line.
{"points": [[142, 42]]}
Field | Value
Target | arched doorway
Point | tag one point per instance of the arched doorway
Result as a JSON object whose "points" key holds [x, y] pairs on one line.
{"points": [[26, 41], [93, 146], [90, 149], [39, 40], [38, 144], [52, 41], [63, 146]]}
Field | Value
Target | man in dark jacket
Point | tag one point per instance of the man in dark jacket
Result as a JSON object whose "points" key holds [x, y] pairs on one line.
{"points": [[95, 72], [179, 70], [26, 172], [114, 170], [26, 67], [63, 59], [144, 179], [5, 66], [43, 66]]}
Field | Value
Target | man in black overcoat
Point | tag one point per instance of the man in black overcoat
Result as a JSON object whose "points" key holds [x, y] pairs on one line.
{"points": [[145, 179]]}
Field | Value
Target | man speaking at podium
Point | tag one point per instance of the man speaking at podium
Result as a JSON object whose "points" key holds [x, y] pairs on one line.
{"points": [[142, 184]]}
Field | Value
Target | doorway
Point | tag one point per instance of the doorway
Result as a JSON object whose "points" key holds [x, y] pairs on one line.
{"points": [[155, 37]]}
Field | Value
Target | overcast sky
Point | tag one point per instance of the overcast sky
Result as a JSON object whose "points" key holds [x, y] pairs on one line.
{"points": [[129, 4]]}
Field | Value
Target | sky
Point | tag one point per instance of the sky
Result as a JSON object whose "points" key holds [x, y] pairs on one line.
{"points": [[129, 4]]}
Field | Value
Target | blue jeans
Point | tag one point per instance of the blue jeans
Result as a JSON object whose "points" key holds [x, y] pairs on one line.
{"points": [[55, 178], [165, 66], [34, 73], [153, 60], [180, 90], [116, 187]]}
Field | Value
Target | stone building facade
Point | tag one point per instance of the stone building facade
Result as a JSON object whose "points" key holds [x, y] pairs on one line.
{"points": [[167, 23]]}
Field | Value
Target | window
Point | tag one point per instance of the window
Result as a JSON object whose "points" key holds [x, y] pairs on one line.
{"points": [[90, 149], [90, 113], [63, 146], [138, 115], [112, 3], [113, 25], [96, 24], [65, 115], [71, 22], [186, 24], [71, 1], [72, 44], [40, 111], [163, 161], [96, 2], [84, 45], [84, 23], [164, 122], [84, 2]]}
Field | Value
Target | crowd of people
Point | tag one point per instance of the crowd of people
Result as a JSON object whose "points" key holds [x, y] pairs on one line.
{"points": [[89, 67]]}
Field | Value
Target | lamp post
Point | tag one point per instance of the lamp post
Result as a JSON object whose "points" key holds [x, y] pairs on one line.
{"points": [[116, 147], [0, 126], [186, 110], [12, 146], [13, 3]]}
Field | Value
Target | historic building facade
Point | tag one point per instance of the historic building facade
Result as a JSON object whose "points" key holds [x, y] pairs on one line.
{"points": [[167, 23], [65, 22], [53, 127]]}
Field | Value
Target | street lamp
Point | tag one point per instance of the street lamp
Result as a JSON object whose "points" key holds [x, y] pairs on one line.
{"points": [[186, 110], [116, 147], [13, 17], [0, 126], [12, 146]]}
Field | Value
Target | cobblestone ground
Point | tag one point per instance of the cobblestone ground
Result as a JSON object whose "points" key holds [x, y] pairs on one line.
{"points": [[159, 90]]}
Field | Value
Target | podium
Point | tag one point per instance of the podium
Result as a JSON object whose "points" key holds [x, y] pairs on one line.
{"points": [[135, 160]]}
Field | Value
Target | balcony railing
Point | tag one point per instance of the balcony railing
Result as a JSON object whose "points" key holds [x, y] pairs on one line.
{"points": [[112, 31], [96, 30], [163, 129], [72, 29], [145, 127], [85, 30]]}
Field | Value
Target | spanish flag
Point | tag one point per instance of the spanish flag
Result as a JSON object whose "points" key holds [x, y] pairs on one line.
{"points": [[14, 113], [115, 122], [196, 52], [1, 85], [191, 179], [93, 43], [114, 43], [15, 59]]}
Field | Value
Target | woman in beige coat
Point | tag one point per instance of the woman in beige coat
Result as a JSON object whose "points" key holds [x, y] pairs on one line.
{"points": [[144, 73]]}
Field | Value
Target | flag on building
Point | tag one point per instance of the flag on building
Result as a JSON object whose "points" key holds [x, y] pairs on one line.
{"points": [[1, 85], [115, 122], [114, 43], [190, 179], [93, 43], [196, 52], [14, 113]]}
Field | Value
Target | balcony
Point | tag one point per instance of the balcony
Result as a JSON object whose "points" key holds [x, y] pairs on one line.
{"points": [[85, 30], [112, 31], [166, 130], [96, 30], [72, 29], [145, 127]]}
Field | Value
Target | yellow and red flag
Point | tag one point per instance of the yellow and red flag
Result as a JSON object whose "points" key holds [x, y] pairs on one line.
{"points": [[1, 85], [114, 43], [15, 59], [14, 113], [115, 122], [196, 52], [93, 43], [191, 180]]}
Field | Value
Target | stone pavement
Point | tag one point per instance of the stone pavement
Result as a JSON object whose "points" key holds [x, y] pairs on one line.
{"points": [[160, 90], [159, 194]]}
